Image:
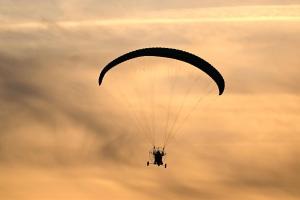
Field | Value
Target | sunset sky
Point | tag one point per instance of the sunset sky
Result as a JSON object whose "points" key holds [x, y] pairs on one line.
{"points": [[64, 137]]}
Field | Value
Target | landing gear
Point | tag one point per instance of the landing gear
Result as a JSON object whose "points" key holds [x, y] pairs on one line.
{"points": [[166, 165], [148, 163]]}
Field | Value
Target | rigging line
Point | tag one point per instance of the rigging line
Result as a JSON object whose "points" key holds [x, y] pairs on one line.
{"points": [[156, 123], [179, 128], [171, 90], [152, 105], [147, 112], [181, 107], [166, 110], [142, 111], [128, 113], [208, 89], [183, 103], [214, 98], [142, 116], [168, 105], [133, 111], [146, 100], [137, 118]]}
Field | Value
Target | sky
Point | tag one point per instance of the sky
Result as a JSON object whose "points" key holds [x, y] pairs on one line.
{"points": [[64, 137]]}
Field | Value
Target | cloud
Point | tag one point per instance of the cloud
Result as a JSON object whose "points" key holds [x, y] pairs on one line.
{"points": [[57, 10], [73, 139]]}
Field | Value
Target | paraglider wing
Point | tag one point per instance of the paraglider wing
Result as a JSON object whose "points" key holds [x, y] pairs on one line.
{"points": [[169, 53]]}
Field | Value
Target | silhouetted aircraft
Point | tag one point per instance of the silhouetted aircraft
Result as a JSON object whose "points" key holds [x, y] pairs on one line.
{"points": [[156, 156]]}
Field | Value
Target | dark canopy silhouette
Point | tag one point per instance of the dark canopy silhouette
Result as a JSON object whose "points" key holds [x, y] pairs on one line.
{"points": [[169, 53]]}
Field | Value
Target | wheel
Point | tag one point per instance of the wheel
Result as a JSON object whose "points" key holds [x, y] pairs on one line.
{"points": [[148, 163], [166, 165]]}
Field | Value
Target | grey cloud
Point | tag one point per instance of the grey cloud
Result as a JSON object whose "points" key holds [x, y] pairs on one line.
{"points": [[28, 97], [51, 116], [255, 167]]}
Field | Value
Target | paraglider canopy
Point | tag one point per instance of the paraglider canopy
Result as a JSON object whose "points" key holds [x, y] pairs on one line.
{"points": [[173, 54]]}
